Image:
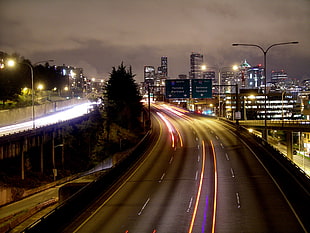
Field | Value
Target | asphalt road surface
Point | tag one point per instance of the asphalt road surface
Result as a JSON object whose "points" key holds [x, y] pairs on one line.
{"points": [[199, 177]]}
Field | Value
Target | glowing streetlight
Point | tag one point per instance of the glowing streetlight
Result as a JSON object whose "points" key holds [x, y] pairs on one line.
{"points": [[11, 63], [235, 67], [265, 51], [219, 70], [40, 87]]}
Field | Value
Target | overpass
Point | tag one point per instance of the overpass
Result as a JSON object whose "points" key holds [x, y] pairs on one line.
{"points": [[294, 125], [289, 126]]}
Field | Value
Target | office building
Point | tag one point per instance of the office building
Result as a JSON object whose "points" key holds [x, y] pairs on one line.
{"points": [[279, 79], [164, 66], [255, 78], [196, 61], [183, 76], [76, 82], [209, 75], [149, 75], [278, 76], [279, 106]]}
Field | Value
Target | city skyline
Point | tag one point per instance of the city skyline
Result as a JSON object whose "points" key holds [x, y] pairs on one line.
{"points": [[98, 35]]}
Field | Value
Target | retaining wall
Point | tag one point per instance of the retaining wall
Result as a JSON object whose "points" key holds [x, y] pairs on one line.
{"points": [[18, 115]]}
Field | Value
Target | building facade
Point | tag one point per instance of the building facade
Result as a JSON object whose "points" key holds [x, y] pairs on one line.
{"points": [[76, 82], [196, 62], [163, 67], [149, 75], [255, 78]]}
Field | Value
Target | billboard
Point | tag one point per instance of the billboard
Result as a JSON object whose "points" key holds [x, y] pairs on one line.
{"points": [[201, 88], [177, 88]]}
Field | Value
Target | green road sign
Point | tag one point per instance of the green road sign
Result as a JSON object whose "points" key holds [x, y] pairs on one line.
{"points": [[177, 88], [201, 88]]}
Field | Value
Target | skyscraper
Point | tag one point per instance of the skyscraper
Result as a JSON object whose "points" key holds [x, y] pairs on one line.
{"points": [[255, 77], [164, 66], [196, 61], [149, 75]]}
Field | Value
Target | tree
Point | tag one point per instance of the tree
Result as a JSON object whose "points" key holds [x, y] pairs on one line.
{"points": [[123, 99], [14, 79], [49, 76], [11, 80]]}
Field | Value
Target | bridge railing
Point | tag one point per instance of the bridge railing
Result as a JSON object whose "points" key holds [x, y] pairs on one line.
{"points": [[277, 154], [277, 123]]}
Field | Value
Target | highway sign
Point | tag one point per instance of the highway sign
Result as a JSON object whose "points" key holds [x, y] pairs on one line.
{"points": [[177, 88], [201, 88]]}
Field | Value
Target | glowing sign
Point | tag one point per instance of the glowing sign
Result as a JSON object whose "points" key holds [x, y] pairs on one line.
{"points": [[201, 88], [177, 88]]}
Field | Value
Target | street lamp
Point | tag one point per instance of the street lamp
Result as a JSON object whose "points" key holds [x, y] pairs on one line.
{"points": [[265, 73], [11, 63], [219, 70]]}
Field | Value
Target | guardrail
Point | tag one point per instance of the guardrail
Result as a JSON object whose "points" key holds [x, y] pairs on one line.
{"points": [[293, 182], [302, 124], [270, 148]]}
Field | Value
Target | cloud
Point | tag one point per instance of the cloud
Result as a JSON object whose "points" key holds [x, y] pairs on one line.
{"points": [[101, 34]]}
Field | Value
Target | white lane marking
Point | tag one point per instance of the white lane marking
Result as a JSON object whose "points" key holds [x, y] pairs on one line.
{"points": [[222, 145], [285, 197], [216, 137], [198, 159], [171, 159], [162, 177], [232, 172], [198, 146], [189, 205], [196, 139], [145, 204], [196, 177], [227, 157], [238, 200]]}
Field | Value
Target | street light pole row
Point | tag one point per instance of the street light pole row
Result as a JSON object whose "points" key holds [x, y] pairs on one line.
{"points": [[265, 51], [11, 63]]}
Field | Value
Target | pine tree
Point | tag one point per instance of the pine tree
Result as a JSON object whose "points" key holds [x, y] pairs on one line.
{"points": [[124, 101]]}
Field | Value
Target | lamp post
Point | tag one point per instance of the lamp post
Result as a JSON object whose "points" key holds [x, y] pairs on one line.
{"points": [[12, 63], [219, 71], [265, 51]]}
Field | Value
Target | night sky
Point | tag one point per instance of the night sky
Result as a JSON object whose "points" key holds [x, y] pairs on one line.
{"points": [[99, 34]]}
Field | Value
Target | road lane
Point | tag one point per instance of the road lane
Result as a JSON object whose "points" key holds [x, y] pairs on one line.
{"points": [[199, 177], [161, 194], [249, 200]]}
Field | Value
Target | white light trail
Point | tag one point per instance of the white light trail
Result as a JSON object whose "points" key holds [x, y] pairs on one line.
{"points": [[76, 111]]}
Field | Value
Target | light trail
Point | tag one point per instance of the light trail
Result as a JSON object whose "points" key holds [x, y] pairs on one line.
{"points": [[177, 111], [178, 132], [199, 189], [180, 137], [215, 188], [172, 110], [171, 129], [73, 112]]}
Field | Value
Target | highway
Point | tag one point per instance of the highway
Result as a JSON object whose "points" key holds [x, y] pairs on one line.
{"points": [[198, 177]]}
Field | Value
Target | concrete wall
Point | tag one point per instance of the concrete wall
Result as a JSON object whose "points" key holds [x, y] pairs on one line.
{"points": [[18, 115]]}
